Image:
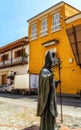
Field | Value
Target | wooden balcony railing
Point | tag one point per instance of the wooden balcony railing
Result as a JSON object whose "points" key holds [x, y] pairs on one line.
{"points": [[14, 61]]}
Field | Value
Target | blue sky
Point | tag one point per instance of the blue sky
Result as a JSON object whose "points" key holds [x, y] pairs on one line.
{"points": [[15, 13]]}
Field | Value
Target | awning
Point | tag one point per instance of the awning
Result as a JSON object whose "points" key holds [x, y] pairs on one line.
{"points": [[74, 35]]}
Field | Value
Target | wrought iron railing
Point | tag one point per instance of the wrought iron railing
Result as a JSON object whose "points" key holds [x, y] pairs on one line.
{"points": [[14, 61]]}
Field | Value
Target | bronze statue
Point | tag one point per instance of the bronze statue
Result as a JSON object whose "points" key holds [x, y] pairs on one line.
{"points": [[47, 108]]}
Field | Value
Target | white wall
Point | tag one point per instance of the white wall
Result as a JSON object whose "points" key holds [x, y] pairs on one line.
{"points": [[26, 47], [20, 69]]}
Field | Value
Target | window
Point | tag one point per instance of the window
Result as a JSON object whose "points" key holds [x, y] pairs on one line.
{"points": [[44, 30], [56, 22], [4, 57], [19, 53], [33, 32]]}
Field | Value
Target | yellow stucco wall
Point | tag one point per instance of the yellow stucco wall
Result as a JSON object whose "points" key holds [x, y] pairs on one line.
{"points": [[70, 72], [69, 11]]}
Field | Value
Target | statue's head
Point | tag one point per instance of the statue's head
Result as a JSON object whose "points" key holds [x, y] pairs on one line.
{"points": [[48, 60], [51, 59]]}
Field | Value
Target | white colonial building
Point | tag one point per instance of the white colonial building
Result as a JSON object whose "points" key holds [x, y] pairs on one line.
{"points": [[14, 59]]}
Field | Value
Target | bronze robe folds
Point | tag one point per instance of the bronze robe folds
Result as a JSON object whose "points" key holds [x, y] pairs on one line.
{"points": [[47, 101]]}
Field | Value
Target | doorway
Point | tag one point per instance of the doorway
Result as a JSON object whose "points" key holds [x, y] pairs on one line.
{"points": [[4, 79]]}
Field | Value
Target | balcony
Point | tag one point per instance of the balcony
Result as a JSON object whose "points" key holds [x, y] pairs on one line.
{"points": [[13, 62]]}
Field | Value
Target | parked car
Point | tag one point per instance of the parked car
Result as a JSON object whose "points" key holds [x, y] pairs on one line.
{"points": [[6, 88], [1, 88]]}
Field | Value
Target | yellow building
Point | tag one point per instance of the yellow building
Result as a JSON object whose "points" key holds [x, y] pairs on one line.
{"points": [[49, 30]]}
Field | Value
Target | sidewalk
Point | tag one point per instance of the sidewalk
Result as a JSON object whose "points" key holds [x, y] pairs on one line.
{"points": [[67, 128]]}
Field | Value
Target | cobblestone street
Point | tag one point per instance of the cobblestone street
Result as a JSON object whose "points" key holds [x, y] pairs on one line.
{"points": [[16, 117], [16, 114], [20, 113]]}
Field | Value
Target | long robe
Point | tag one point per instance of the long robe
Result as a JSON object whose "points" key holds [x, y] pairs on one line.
{"points": [[47, 109]]}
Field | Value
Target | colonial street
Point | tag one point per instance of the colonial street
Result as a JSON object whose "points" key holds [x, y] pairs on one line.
{"points": [[19, 112]]}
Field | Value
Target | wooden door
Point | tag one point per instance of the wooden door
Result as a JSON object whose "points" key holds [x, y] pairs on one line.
{"points": [[4, 79]]}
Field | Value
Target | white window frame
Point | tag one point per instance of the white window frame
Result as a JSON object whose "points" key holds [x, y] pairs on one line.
{"points": [[33, 32], [44, 27], [55, 22]]}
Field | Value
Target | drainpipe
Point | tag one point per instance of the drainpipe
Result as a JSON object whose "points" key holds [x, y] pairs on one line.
{"points": [[3, 58], [22, 51], [11, 56]]}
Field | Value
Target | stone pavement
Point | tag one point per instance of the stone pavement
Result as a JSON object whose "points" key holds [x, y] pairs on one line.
{"points": [[16, 117], [21, 115]]}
